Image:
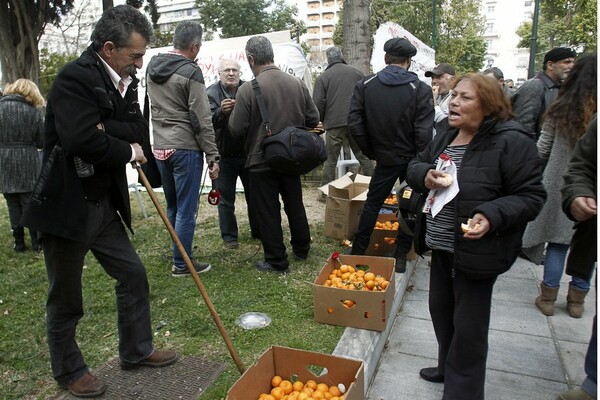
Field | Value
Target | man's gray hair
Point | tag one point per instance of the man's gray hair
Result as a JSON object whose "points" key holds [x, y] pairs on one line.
{"points": [[261, 49], [334, 54], [186, 34], [117, 24]]}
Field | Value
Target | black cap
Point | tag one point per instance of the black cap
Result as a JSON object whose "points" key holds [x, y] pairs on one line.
{"points": [[559, 53], [399, 47], [440, 69]]}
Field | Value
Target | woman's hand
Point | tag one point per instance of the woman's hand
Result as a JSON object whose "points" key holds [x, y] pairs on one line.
{"points": [[480, 226], [431, 179]]}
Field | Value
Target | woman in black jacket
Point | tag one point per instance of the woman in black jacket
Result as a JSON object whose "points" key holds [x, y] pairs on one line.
{"points": [[21, 129], [499, 189]]}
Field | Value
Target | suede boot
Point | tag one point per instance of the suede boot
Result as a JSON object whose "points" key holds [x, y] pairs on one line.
{"points": [[19, 235], [545, 301], [575, 394], [575, 300]]}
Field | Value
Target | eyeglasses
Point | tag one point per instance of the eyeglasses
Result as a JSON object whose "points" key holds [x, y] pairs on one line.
{"points": [[230, 71]]}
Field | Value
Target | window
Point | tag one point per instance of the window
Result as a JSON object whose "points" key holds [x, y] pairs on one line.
{"points": [[489, 28], [491, 9]]}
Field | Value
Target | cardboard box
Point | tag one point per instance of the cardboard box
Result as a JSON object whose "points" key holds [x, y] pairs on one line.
{"points": [[371, 309], [345, 199], [378, 245], [287, 362]]}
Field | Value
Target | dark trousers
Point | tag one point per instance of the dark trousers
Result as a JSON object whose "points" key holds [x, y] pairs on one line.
{"points": [[229, 170], [382, 182], [108, 241], [17, 203], [267, 186], [460, 312]]}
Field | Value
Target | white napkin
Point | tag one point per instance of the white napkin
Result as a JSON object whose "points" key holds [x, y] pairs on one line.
{"points": [[438, 198]]}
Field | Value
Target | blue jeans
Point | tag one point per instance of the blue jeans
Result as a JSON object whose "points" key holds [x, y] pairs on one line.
{"points": [[229, 170], [554, 265], [181, 174], [382, 182]]}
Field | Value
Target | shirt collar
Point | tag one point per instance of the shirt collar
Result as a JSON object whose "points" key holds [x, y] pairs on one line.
{"points": [[114, 77]]}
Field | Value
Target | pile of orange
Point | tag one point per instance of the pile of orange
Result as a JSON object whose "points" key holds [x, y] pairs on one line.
{"points": [[348, 277], [283, 389], [391, 200], [387, 225]]}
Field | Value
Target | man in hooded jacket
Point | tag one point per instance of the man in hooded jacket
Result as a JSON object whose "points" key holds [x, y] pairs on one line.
{"points": [[391, 119], [183, 131]]}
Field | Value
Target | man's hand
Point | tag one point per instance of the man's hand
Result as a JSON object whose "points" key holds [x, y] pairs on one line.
{"points": [[436, 92], [583, 208], [139, 154], [227, 106], [213, 170], [480, 226], [431, 181]]}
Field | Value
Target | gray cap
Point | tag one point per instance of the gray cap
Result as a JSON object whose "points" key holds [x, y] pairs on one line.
{"points": [[441, 69]]}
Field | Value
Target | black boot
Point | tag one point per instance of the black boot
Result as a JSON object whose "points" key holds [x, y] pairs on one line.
{"points": [[36, 241], [19, 235]]}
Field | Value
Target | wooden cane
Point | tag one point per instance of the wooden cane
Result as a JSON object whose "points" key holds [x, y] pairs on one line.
{"points": [[190, 266]]}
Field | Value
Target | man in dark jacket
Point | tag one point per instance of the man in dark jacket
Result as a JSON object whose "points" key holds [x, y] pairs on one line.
{"points": [[93, 114], [332, 93], [183, 133], [533, 97], [391, 119], [289, 104], [221, 96]]}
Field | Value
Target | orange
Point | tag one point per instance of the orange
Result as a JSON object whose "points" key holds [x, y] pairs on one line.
{"points": [[344, 268], [330, 311], [335, 391], [322, 387], [348, 303], [277, 392], [369, 276], [303, 396], [276, 380], [311, 384], [293, 396], [286, 386], [299, 385], [384, 284], [318, 395], [370, 284], [266, 397]]}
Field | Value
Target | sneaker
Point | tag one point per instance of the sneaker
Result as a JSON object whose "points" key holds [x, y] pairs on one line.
{"points": [[198, 266], [232, 244]]}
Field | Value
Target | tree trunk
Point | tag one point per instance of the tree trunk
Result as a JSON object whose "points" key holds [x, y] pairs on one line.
{"points": [[357, 34]]}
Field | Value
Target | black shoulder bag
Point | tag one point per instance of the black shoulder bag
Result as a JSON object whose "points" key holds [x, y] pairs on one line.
{"points": [[293, 150]]}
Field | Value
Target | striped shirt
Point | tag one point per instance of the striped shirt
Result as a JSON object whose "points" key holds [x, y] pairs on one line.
{"points": [[441, 229]]}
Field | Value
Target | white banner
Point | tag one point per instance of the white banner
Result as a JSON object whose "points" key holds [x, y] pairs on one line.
{"points": [[289, 57], [423, 61]]}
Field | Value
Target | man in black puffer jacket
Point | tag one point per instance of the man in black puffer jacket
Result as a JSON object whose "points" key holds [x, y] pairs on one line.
{"points": [[391, 119]]}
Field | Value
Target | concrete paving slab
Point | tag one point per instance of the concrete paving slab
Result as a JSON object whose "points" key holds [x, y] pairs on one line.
{"points": [[526, 355], [573, 358], [513, 289], [416, 304], [500, 385], [413, 336], [519, 318], [571, 329]]}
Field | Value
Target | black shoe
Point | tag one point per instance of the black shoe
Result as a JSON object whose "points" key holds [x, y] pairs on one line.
{"points": [[158, 359], [199, 267], [400, 263], [232, 244], [265, 266], [431, 374], [300, 257]]}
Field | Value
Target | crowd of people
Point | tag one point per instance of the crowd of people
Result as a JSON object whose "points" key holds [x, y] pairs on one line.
{"points": [[489, 159]]}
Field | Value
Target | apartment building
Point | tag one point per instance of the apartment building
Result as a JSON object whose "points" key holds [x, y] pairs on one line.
{"points": [[321, 17]]}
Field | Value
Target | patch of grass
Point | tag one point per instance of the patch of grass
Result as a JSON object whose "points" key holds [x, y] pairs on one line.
{"points": [[234, 286]]}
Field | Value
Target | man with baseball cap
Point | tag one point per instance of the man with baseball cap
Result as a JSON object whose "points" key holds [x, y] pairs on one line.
{"points": [[533, 98], [441, 79], [391, 119]]}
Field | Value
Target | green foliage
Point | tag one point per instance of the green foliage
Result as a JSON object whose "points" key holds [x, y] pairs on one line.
{"points": [[234, 287], [162, 39], [152, 9], [459, 28], [50, 64], [246, 17], [572, 23]]}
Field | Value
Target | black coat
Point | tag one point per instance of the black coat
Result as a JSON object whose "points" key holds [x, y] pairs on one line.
{"points": [[500, 177], [227, 145], [81, 97]]}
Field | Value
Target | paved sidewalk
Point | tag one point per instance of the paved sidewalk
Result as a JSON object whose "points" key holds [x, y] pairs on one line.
{"points": [[531, 356]]}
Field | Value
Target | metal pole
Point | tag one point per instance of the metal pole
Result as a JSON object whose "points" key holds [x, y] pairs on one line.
{"points": [[190, 266], [533, 46], [433, 26]]}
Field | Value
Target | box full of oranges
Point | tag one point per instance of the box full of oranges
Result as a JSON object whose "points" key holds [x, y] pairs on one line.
{"points": [[283, 371], [355, 291], [383, 237]]}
